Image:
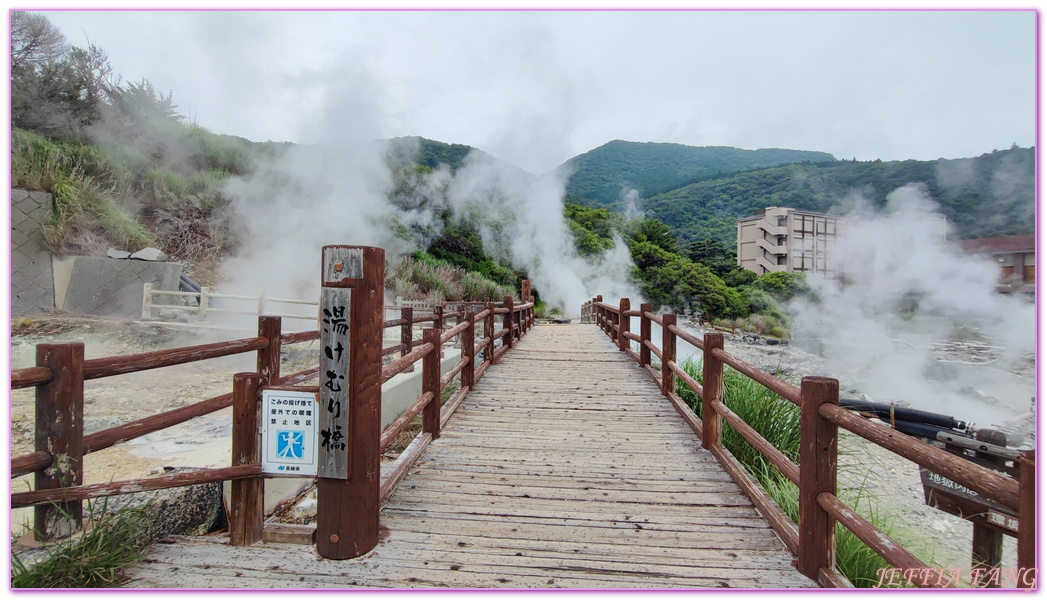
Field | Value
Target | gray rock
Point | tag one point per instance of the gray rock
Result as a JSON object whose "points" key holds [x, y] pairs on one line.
{"points": [[151, 254], [114, 253], [190, 510]]}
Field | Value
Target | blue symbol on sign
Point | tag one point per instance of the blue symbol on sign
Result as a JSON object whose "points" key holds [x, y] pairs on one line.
{"points": [[290, 444]]}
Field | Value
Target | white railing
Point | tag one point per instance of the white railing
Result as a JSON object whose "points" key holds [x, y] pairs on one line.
{"points": [[258, 305]]}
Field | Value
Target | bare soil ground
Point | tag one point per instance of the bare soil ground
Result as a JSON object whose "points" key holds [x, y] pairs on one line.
{"points": [[202, 442]]}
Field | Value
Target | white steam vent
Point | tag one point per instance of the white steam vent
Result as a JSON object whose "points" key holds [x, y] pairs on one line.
{"points": [[912, 319]]}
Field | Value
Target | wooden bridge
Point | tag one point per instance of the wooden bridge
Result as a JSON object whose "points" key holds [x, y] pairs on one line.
{"points": [[563, 468], [565, 459]]}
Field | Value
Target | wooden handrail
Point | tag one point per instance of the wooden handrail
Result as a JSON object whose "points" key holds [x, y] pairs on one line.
{"points": [[693, 385], [655, 350], [118, 365], [788, 468], [454, 331], [301, 336], [822, 509], [99, 490], [453, 372], [29, 377], [966, 473], [783, 389], [32, 462], [400, 423], [687, 337], [400, 365], [897, 556], [245, 472]]}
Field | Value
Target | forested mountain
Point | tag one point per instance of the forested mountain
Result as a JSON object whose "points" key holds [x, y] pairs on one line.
{"points": [[601, 177], [429, 153], [990, 195]]}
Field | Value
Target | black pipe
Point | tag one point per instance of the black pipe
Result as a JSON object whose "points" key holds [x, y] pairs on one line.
{"points": [[883, 411], [188, 285]]}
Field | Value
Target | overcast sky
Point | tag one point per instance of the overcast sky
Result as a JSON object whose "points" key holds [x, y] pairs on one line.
{"points": [[536, 88]]}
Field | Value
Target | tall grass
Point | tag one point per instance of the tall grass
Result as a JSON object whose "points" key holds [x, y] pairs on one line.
{"points": [[428, 278], [778, 421], [80, 182], [95, 558]]}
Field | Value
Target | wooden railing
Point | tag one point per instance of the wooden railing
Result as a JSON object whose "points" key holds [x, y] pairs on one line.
{"points": [[813, 540], [61, 370]]}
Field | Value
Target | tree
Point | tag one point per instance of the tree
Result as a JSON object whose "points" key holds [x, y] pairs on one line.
{"points": [[657, 233], [35, 42], [56, 90]]}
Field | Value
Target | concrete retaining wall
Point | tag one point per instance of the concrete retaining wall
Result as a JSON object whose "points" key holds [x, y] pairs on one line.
{"points": [[32, 283], [109, 287]]}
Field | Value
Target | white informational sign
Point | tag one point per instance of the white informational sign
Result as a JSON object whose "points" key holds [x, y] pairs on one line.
{"points": [[289, 433]]}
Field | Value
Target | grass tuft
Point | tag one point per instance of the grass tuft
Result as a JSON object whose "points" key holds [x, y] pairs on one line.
{"points": [[95, 558]]}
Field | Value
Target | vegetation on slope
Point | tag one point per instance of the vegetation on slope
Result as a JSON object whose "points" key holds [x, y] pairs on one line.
{"points": [[701, 277], [602, 176], [991, 195]]}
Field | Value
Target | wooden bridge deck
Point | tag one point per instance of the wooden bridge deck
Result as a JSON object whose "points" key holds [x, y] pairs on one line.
{"points": [[565, 467]]}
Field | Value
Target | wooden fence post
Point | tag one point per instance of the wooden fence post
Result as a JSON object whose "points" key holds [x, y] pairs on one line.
{"points": [[269, 357], [599, 313], [507, 322], [818, 437], [623, 325], [407, 334], [459, 316], [438, 312], [431, 383], [60, 432], [468, 339], [347, 505], [1027, 520], [712, 391], [668, 354], [525, 297], [246, 501], [645, 335], [489, 333]]}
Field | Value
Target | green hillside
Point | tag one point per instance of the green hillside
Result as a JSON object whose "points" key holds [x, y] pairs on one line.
{"points": [[990, 195], [601, 176]]}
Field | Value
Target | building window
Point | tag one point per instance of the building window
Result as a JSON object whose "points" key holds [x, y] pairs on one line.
{"points": [[781, 259], [782, 221]]}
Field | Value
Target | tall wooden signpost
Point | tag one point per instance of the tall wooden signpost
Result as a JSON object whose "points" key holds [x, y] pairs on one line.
{"points": [[349, 419]]}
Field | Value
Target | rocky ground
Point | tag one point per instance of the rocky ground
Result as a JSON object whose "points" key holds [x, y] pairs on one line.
{"points": [[204, 442]]}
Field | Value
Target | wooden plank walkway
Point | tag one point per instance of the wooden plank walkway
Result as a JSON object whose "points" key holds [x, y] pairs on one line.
{"points": [[564, 467]]}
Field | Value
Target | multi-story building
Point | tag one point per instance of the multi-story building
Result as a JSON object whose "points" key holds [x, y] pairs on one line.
{"points": [[1016, 255], [796, 240], [788, 239]]}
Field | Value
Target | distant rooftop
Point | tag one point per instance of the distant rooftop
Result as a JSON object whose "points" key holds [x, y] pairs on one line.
{"points": [[1010, 243]]}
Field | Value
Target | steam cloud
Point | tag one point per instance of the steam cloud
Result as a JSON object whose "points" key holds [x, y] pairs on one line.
{"points": [[898, 264], [312, 196]]}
